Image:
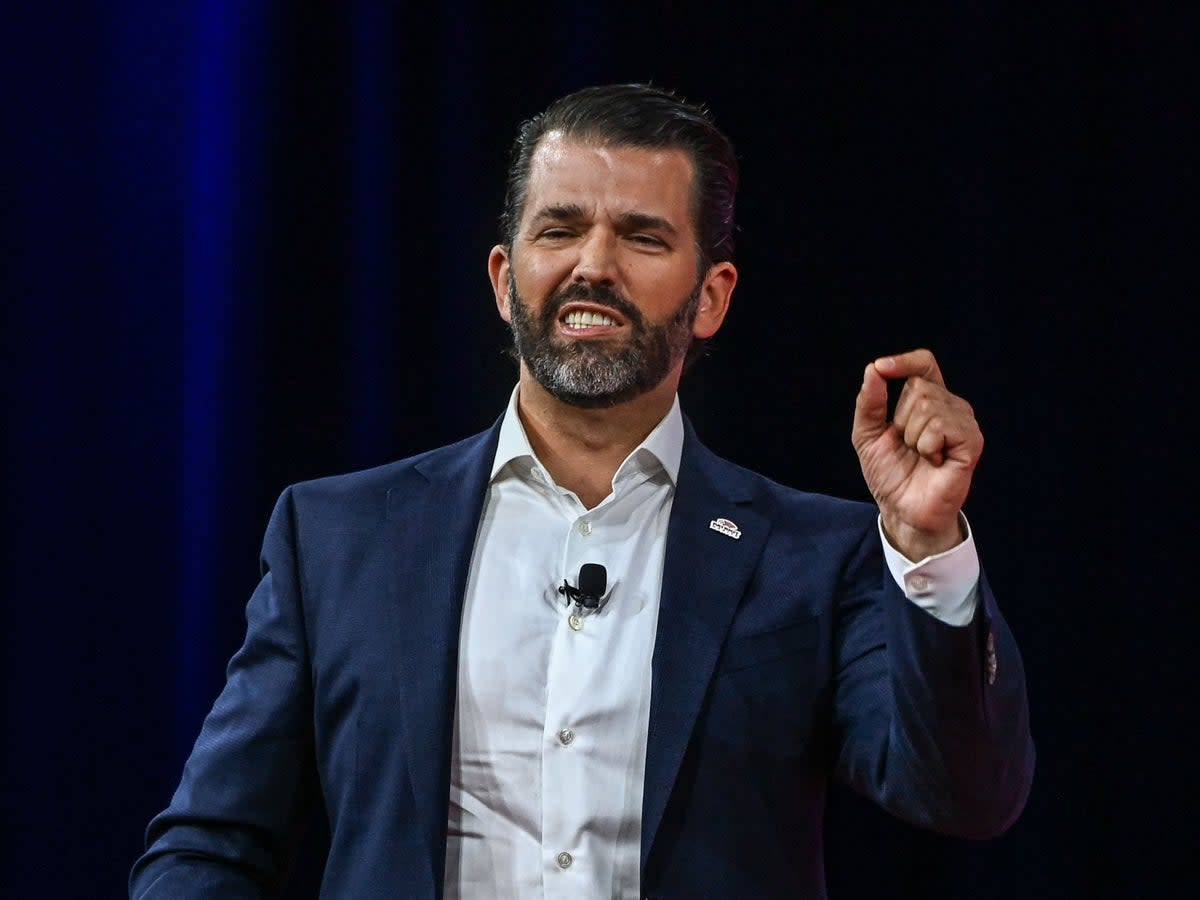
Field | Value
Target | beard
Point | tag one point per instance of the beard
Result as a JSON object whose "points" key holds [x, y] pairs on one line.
{"points": [[595, 374]]}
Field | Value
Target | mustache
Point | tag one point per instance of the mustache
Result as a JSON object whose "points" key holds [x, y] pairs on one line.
{"points": [[600, 295]]}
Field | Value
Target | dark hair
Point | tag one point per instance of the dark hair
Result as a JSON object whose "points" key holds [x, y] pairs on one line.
{"points": [[638, 115]]}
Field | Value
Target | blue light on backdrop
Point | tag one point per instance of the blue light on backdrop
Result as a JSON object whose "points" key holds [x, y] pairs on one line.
{"points": [[223, 87]]}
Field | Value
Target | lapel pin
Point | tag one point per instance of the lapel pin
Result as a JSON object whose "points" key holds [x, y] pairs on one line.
{"points": [[725, 527]]}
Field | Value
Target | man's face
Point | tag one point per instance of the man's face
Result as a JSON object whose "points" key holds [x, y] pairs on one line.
{"points": [[601, 286]]}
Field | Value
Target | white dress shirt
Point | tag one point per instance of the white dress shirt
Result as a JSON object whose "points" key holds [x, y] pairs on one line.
{"points": [[550, 730]]}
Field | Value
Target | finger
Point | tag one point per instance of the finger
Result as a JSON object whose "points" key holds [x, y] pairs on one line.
{"points": [[915, 412], [923, 405], [921, 399], [929, 440], [947, 434], [870, 407], [933, 437], [915, 363], [951, 438]]}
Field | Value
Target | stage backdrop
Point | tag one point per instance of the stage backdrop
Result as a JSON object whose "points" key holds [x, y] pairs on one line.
{"points": [[247, 245]]}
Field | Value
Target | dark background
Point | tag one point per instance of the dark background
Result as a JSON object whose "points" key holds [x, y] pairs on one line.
{"points": [[246, 244]]}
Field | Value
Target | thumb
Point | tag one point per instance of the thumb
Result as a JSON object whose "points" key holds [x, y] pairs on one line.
{"points": [[870, 407]]}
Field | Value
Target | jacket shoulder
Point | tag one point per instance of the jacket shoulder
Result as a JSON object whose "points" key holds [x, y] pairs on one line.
{"points": [[369, 487], [803, 510]]}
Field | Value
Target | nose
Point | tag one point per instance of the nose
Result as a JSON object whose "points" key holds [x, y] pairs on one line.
{"points": [[597, 263]]}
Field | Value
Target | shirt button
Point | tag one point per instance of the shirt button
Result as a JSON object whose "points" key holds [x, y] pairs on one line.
{"points": [[919, 582], [576, 622], [564, 860], [585, 528], [566, 736]]}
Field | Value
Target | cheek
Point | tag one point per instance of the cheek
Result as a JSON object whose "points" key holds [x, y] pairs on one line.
{"points": [[540, 276], [660, 286]]}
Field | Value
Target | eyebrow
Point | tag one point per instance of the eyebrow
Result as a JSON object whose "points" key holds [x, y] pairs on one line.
{"points": [[559, 212], [573, 212], [636, 221]]}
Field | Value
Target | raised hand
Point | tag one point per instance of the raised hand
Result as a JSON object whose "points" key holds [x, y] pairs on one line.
{"points": [[918, 466]]}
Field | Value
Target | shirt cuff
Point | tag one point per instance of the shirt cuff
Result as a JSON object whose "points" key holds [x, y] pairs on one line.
{"points": [[945, 585]]}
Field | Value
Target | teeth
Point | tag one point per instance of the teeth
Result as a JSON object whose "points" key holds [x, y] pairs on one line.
{"points": [[587, 319]]}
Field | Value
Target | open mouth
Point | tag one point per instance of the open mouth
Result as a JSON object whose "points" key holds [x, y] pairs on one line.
{"points": [[579, 319]]}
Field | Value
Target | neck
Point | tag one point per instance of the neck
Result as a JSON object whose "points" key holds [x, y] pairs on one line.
{"points": [[582, 448]]}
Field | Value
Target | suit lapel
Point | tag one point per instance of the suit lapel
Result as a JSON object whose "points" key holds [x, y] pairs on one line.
{"points": [[704, 577], [433, 516]]}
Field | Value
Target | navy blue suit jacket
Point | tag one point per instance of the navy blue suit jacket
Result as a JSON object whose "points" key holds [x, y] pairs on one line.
{"points": [[782, 658]]}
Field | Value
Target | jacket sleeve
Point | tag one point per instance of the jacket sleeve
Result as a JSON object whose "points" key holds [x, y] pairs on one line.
{"points": [[930, 720], [250, 779]]}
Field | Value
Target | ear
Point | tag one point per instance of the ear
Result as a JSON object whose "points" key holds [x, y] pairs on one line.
{"points": [[498, 273], [718, 287]]}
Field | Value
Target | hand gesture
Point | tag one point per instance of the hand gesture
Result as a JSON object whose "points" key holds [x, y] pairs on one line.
{"points": [[918, 466]]}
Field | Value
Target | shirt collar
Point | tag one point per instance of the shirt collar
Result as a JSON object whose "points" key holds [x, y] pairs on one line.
{"points": [[663, 446]]}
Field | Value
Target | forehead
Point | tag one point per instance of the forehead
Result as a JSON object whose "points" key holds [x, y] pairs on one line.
{"points": [[610, 178]]}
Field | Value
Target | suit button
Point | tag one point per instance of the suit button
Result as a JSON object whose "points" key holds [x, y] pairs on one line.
{"points": [[564, 860]]}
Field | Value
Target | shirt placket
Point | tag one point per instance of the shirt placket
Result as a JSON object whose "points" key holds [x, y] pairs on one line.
{"points": [[569, 871]]}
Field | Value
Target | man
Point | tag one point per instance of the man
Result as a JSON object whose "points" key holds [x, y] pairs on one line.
{"points": [[481, 716]]}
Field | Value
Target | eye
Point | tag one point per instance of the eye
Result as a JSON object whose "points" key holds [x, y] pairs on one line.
{"points": [[557, 233], [647, 240]]}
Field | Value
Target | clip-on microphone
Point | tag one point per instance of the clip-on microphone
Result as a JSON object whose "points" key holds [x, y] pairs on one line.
{"points": [[593, 579]]}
